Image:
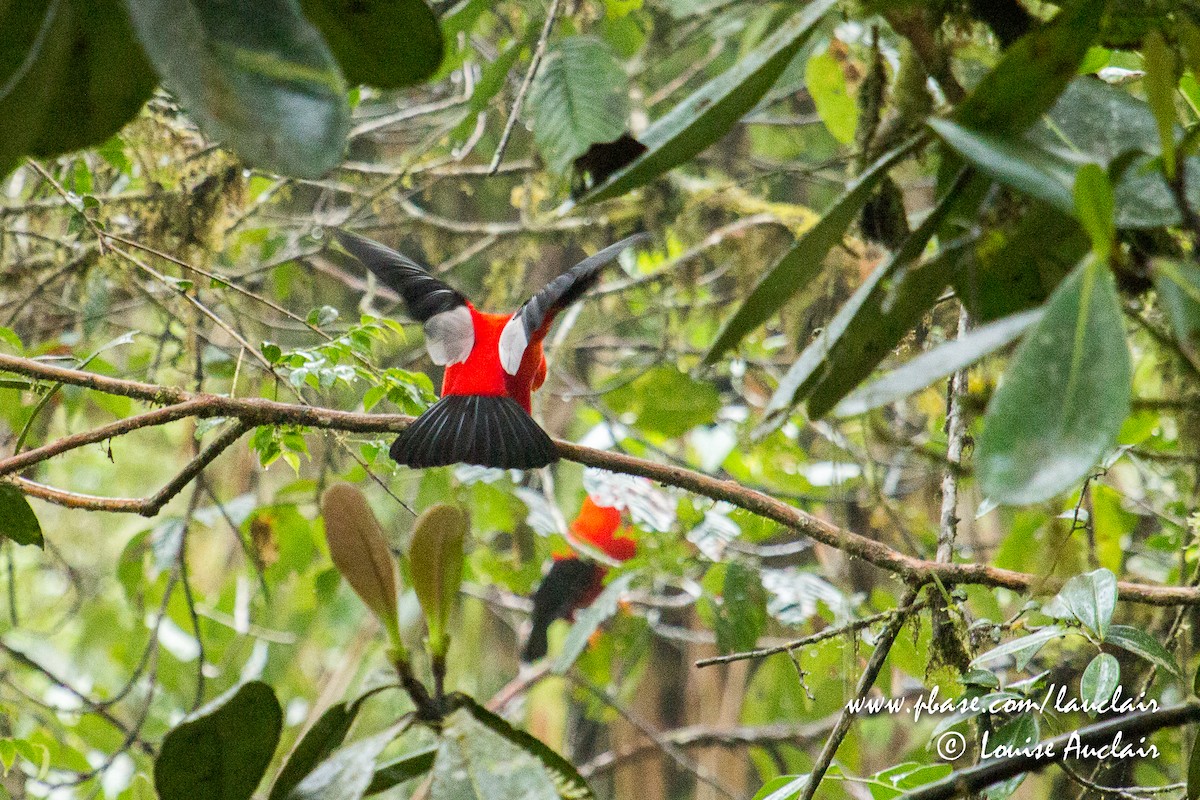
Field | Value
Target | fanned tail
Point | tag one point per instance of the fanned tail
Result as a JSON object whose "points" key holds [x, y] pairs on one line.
{"points": [[474, 429]]}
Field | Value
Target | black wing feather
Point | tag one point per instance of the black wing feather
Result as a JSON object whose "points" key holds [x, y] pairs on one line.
{"points": [[424, 295]]}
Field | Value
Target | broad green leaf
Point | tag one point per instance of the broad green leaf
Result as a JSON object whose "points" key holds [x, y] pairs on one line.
{"points": [[896, 781], [384, 43], [360, 552], [9, 337], [803, 261], [1015, 162], [1095, 206], [713, 109], [784, 787], [475, 763], [221, 751], [1178, 285], [1100, 679], [1064, 396], [325, 736], [872, 322], [348, 772], [435, 564], [1022, 649], [71, 75], [401, 769], [257, 77], [1159, 83], [580, 97], [567, 781], [1140, 643], [18, 523], [935, 364], [1033, 72], [667, 401], [589, 620], [826, 83], [739, 617], [1091, 599]]}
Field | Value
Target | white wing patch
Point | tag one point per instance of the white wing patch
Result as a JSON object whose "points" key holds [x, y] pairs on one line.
{"points": [[449, 336], [513, 342]]}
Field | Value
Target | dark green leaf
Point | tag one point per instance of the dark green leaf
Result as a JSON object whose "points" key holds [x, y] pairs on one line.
{"points": [[347, 773], [739, 616], [872, 322], [18, 523], [221, 751], [937, 363], [803, 261], [1022, 732], [1021, 649], [1178, 285], [325, 736], [257, 77], [1193, 776], [71, 75], [1064, 397], [384, 43], [1140, 643], [511, 746], [589, 620], [1033, 72], [399, 770], [1100, 679], [1091, 599], [580, 98], [713, 109]]}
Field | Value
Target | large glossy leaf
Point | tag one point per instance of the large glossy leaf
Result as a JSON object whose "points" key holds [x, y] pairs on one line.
{"points": [[501, 761], [1090, 599], [713, 109], [1141, 643], [873, 321], [937, 363], [222, 751], [71, 75], [1032, 72], [803, 261], [348, 772], [579, 98], [256, 76], [18, 523], [1064, 397], [384, 43], [1100, 679]]}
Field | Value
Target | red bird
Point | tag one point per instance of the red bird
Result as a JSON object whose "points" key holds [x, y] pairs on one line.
{"points": [[574, 583], [493, 361]]}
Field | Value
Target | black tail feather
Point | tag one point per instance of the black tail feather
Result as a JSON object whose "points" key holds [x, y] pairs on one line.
{"points": [[474, 429]]}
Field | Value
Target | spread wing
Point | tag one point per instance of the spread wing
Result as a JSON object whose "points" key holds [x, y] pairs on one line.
{"points": [[539, 311], [449, 332]]}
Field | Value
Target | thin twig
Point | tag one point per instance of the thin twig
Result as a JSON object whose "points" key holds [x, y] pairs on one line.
{"points": [[538, 52]]}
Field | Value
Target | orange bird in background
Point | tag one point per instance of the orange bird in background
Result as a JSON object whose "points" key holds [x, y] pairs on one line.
{"points": [[574, 582], [493, 362]]}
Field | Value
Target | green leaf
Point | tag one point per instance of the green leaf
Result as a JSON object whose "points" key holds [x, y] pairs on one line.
{"points": [[579, 98], [221, 751], [826, 83], [1091, 599], [1095, 207], [325, 736], [1015, 162], [360, 552], [1160, 82], [9, 336], [803, 261], [589, 620], [1140, 643], [1033, 72], [257, 77], [783, 787], [872, 322], [713, 109], [1022, 649], [1100, 679], [667, 401], [71, 75], [435, 564], [937, 363], [401, 769], [383, 43], [347, 774], [739, 616], [1193, 777], [18, 523], [482, 756], [1064, 396], [1178, 285]]}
